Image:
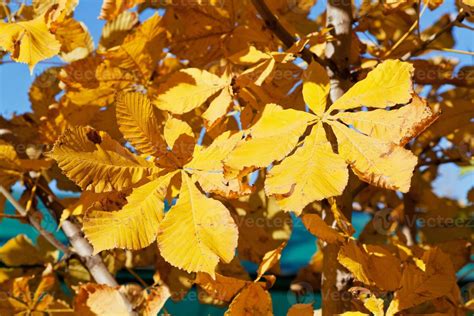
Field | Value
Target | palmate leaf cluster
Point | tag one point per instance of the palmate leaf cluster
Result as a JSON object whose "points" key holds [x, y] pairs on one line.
{"points": [[194, 134]]}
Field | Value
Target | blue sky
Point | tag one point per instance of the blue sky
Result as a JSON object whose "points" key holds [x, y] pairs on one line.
{"points": [[15, 79]]}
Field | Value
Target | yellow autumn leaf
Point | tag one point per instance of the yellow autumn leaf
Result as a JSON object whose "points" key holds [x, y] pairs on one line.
{"points": [[374, 305], [270, 259], [188, 89], [10, 171], [29, 42], [76, 41], [174, 128], [85, 201], [206, 229], [98, 299], [64, 8], [115, 31], [207, 167], [387, 85], [21, 251], [96, 162], [252, 300], [259, 73], [112, 8], [470, 305], [138, 121], [218, 107], [272, 138], [140, 50], [397, 126], [135, 226], [377, 162], [249, 56], [313, 172], [316, 88], [13, 167]]}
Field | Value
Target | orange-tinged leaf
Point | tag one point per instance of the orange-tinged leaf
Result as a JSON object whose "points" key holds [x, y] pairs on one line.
{"points": [[355, 260], [319, 228], [76, 41], [115, 31], [155, 300], [140, 50], [397, 126], [371, 265], [301, 310], [252, 300], [380, 163], [417, 286], [222, 288]]}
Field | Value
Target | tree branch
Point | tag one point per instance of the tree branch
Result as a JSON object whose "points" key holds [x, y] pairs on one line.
{"points": [[424, 46], [273, 23], [441, 162], [339, 19], [81, 246]]}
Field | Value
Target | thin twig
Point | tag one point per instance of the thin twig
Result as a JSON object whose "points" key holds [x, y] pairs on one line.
{"points": [[456, 51], [35, 223], [440, 162], [274, 24], [407, 33], [12, 216], [460, 17], [139, 279]]}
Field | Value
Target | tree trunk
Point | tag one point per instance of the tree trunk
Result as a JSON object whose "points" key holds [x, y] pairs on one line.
{"points": [[334, 277]]}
